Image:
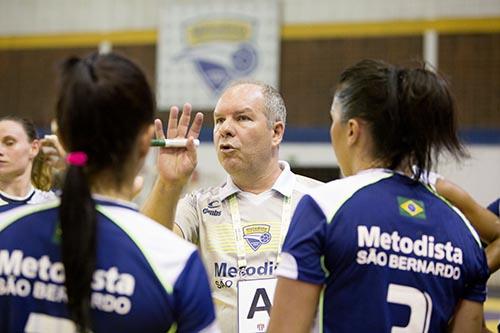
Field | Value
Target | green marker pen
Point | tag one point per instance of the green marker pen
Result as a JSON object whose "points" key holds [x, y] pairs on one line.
{"points": [[172, 143]]}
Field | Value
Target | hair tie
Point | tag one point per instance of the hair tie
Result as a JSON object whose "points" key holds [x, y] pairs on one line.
{"points": [[77, 158]]}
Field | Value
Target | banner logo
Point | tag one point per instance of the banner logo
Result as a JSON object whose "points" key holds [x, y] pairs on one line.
{"points": [[222, 50]]}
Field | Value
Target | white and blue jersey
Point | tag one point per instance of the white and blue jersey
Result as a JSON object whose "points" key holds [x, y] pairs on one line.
{"points": [[146, 279], [389, 252], [494, 207], [34, 196]]}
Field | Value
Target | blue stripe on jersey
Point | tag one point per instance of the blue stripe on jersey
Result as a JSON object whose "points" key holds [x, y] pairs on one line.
{"points": [[309, 221], [7, 203], [128, 295], [14, 201], [494, 207], [191, 286], [373, 252], [101, 209]]}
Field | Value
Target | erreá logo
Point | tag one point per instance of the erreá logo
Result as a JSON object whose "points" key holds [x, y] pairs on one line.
{"points": [[212, 208]]}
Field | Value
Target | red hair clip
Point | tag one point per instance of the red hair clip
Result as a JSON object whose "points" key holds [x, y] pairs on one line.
{"points": [[77, 158]]}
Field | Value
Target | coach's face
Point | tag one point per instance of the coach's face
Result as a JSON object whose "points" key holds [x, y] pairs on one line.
{"points": [[242, 135]]}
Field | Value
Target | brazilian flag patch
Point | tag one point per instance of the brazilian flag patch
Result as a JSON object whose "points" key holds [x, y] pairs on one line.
{"points": [[411, 208]]}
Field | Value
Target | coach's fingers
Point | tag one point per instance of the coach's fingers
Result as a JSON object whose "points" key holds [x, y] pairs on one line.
{"points": [[195, 129], [184, 120], [172, 122], [159, 129]]}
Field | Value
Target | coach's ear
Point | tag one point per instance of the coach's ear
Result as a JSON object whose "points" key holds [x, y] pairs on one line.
{"points": [[278, 132]]}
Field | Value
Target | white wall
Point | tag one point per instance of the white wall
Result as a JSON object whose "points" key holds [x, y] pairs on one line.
{"points": [[26, 17], [479, 175], [302, 11]]}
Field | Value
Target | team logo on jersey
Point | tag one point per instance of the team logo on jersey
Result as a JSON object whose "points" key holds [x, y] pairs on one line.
{"points": [[256, 235], [411, 207]]}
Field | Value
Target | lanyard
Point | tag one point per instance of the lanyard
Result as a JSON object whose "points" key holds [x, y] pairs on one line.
{"points": [[238, 230]]}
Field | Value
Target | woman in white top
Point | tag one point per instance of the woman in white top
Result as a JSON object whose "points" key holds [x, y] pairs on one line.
{"points": [[24, 176]]}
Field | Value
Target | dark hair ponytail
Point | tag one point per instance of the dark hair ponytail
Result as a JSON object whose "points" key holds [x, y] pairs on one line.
{"points": [[77, 214], [410, 111], [78, 246], [104, 102]]}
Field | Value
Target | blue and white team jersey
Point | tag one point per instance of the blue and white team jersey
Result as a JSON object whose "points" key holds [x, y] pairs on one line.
{"points": [[146, 279], [389, 251], [494, 207], [35, 196]]}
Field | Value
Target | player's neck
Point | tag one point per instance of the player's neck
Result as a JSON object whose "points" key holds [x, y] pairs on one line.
{"points": [[258, 182], [106, 185], [114, 193], [18, 187]]}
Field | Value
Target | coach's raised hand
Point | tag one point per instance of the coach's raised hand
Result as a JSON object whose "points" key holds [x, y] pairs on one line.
{"points": [[175, 165]]}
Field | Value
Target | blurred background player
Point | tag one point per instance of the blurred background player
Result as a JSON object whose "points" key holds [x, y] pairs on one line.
{"points": [[25, 178], [379, 234], [109, 268], [239, 225], [485, 221]]}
